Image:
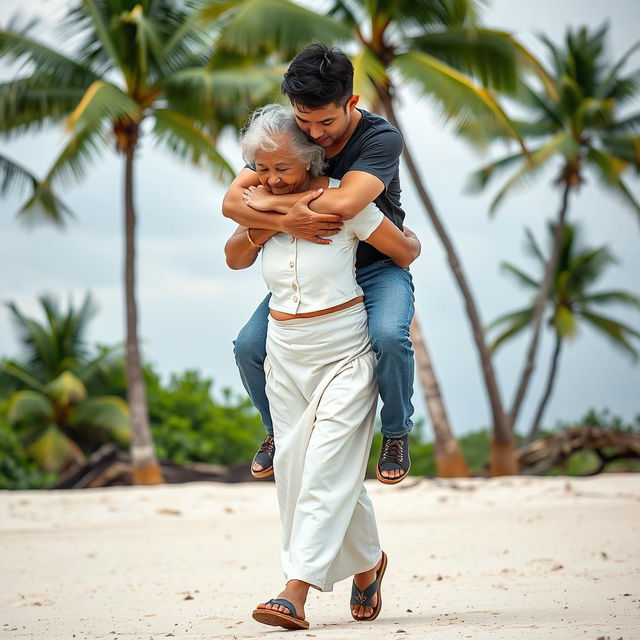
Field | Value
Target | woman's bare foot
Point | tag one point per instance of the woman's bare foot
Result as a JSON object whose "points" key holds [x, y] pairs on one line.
{"points": [[296, 593], [363, 580]]}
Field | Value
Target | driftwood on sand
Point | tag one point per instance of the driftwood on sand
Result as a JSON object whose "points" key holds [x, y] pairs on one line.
{"points": [[110, 466], [608, 445]]}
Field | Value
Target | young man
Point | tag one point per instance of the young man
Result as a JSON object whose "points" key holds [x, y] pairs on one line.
{"points": [[363, 151]]}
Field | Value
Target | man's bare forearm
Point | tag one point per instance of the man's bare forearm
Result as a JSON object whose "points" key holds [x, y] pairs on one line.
{"points": [[238, 211], [331, 201]]}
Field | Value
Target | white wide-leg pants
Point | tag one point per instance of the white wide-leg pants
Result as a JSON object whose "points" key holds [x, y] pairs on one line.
{"points": [[322, 394]]}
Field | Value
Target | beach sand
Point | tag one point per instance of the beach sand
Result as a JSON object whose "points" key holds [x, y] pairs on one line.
{"points": [[511, 557]]}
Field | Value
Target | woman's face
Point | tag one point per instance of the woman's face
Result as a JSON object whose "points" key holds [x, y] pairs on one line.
{"points": [[281, 171]]}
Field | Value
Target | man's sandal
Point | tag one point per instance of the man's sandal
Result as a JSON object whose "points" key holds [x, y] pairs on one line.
{"points": [[394, 456], [279, 619], [365, 598], [264, 457]]}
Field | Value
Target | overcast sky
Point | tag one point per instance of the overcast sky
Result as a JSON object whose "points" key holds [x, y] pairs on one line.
{"points": [[191, 306]]}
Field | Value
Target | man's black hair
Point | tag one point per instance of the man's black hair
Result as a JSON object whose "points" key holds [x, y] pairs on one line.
{"points": [[319, 76]]}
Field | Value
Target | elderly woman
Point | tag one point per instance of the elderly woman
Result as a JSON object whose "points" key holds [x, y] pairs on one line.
{"points": [[320, 373]]}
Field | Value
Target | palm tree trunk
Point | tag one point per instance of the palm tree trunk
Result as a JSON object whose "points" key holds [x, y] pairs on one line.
{"points": [[538, 311], [450, 462], [535, 426], [503, 450], [143, 454]]}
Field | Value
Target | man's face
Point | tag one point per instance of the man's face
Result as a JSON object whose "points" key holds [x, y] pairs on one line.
{"points": [[327, 125]]}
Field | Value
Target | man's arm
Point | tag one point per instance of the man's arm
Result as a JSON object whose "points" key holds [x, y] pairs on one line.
{"points": [[233, 205], [299, 221], [357, 189]]}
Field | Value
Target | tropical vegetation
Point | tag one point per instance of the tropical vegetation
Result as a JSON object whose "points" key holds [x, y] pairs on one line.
{"points": [[138, 68], [571, 301], [53, 404], [575, 119], [179, 73]]}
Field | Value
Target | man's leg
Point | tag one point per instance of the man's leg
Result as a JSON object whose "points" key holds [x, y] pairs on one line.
{"points": [[388, 297], [249, 349]]}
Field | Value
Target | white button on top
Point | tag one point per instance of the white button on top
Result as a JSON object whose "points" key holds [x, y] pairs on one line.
{"points": [[292, 239]]}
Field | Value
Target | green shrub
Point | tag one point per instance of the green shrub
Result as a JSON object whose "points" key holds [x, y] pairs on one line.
{"points": [[17, 470]]}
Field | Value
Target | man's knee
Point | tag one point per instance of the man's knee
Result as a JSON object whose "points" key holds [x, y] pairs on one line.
{"points": [[249, 347], [391, 341]]}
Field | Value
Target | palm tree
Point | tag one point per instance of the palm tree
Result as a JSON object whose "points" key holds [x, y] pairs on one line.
{"points": [[140, 68], [570, 300], [575, 119], [51, 404], [434, 46]]}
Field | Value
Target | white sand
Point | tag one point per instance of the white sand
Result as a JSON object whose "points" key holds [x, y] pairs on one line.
{"points": [[503, 558]]}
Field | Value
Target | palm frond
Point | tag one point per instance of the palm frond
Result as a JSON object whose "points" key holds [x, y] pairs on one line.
{"points": [[31, 103], [15, 178], [486, 54], [104, 364], [516, 322], [102, 102], [83, 147], [623, 147], [611, 297], [19, 373], [610, 169], [347, 12], [368, 75], [593, 113], [29, 405], [479, 179], [254, 27], [108, 413], [532, 248], [100, 18], [607, 84], [20, 47], [618, 333], [456, 94], [222, 96], [41, 358], [561, 143], [586, 267], [529, 61], [481, 130], [53, 450], [179, 134], [520, 276]]}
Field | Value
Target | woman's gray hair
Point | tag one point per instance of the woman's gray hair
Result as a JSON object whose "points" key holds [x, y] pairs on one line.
{"points": [[268, 123]]}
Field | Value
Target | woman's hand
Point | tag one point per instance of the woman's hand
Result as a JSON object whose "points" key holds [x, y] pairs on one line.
{"points": [[258, 198]]}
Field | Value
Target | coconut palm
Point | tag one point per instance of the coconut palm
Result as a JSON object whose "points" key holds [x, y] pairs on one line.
{"points": [[575, 119], [570, 301], [434, 46], [51, 404], [139, 68]]}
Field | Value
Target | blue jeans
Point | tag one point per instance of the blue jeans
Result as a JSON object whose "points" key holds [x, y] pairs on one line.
{"points": [[388, 297]]}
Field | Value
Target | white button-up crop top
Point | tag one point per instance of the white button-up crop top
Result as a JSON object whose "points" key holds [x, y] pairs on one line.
{"points": [[303, 276]]}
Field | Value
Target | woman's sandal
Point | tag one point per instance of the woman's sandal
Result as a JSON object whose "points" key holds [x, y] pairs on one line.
{"points": [[364, 598], [279, 619]]}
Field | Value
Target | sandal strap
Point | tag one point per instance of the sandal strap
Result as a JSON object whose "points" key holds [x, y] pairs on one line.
{"points": [[285, 603], [364, 598]]}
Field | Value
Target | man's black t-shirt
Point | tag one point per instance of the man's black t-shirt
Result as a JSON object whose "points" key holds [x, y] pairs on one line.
{"points": [[374, 147]]}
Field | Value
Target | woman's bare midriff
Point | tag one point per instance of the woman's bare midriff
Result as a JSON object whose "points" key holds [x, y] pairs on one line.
{"points": [[279, 315]]}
